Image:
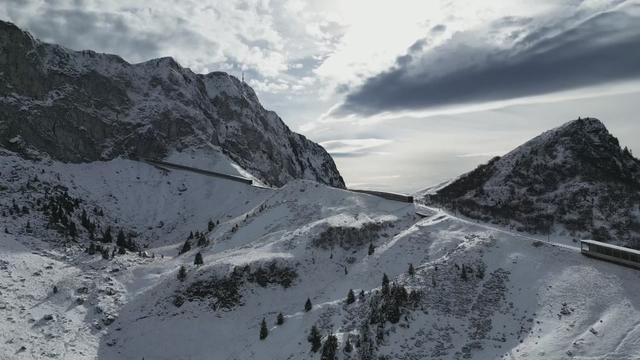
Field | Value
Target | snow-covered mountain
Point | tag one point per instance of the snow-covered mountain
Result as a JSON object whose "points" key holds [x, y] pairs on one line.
{"points": [[456, 289], [83, 106], [121, 259], [575, 180]]}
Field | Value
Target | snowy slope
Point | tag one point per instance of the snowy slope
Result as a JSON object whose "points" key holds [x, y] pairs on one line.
{"points": [[515, 310], [305, 240], [575, 180]]}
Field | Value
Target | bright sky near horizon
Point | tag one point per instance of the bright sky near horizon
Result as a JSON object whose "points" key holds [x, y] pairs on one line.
{"points": [[404, 94]]}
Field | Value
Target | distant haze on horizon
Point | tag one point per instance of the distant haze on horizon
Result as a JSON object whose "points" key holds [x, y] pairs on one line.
{"points": [[404, 95]]}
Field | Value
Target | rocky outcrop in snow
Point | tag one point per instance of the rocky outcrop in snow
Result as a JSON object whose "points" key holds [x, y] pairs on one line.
{"points": [[575, 178], [79, 106]]}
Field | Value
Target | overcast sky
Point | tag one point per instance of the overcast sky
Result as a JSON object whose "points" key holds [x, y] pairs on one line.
{"points": [[404, 93]]}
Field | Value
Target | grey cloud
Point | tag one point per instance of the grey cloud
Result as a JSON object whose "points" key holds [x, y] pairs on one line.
{"points": [[81, 29], [347, 148], [438, 29], [602, 49]]}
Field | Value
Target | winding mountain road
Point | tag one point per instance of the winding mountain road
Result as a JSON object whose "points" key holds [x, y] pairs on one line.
{"points": [[442, 212]]}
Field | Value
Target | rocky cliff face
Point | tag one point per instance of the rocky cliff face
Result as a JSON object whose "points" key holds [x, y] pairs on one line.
{"points": [[79, 106], [574, 178]]}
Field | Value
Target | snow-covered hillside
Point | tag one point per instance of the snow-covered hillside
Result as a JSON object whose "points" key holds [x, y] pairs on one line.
{"points": [[85, 106], [475, 291], [575, 180]]}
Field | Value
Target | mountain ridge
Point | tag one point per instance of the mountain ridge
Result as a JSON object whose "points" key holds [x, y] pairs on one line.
{"points": [[84, 106], [575, 178]]}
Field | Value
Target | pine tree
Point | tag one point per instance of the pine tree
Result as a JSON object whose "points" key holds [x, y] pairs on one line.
{"points": [[480, 272], [315, 339], [380, 332], [92, 249], [371, 248], [211, 225], [121, 241], [202, 240], [105, 253], [361, 295], [463, 274], [264, 332], [307, 305], [348, 348], [351, 297], [385, 284], [106, 236], [198, 260], [366, 348], [186, 247], [411, 270], [73, 230], [280, 319], [131, 245], [329, 348]]}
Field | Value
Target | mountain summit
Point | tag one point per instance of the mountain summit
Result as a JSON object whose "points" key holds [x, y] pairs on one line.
{"points": [[575, 178], [80, 106]]}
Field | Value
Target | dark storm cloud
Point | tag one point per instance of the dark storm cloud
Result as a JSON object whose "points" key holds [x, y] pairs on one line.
{"points": [[81, 29], [602, 49]]}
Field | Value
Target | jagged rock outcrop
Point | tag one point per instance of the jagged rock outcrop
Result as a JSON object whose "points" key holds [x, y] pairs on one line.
{"points": [[79, 106], [575, 178]]}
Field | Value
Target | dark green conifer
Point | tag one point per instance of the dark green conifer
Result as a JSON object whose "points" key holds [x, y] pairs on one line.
{"points": [[264, 332]]}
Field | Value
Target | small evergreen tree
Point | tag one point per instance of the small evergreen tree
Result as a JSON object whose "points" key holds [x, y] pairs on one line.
{"points": [[186, 247], [91, 250], [121, 240], [280, 319], [361, 295], [385, 284], [106, 235], [202, 240], [264, 332], [307, 305], [480, 272], [411, 270], [73, 230], [131, 245], [315, 339], [348, 348], [371, 248], [329, 348], [105, 253], [351, 297], [198, 260], [182, 273], [211, 225], [463, 273]]}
